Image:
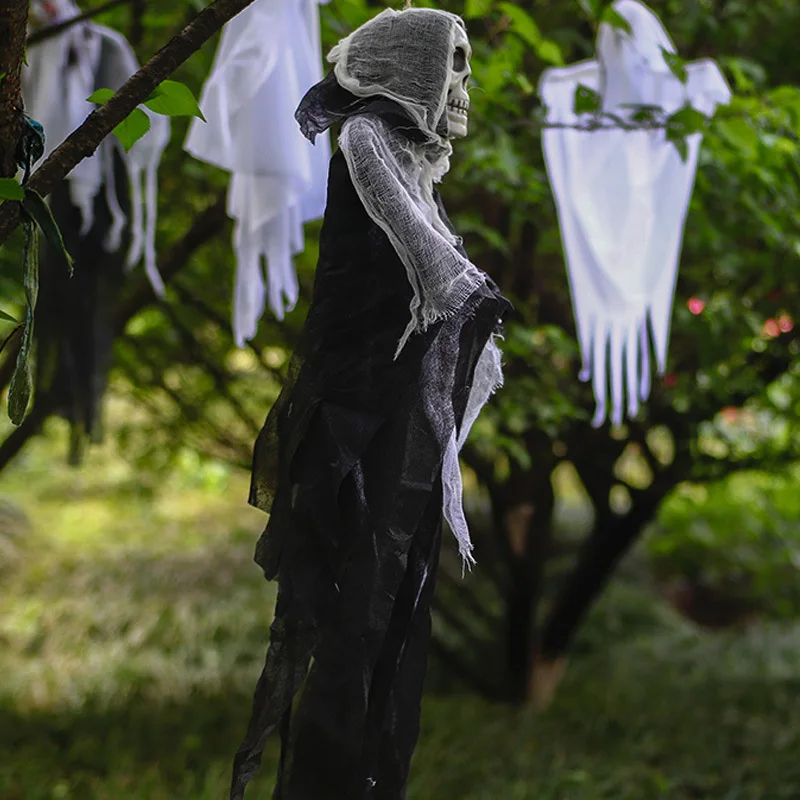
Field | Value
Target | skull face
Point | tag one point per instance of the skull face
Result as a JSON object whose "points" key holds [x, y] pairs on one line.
{"points": [[457, 97]]}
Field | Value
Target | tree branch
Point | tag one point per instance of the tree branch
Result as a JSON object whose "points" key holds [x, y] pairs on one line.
{"points": [[189, 298], [13, 24], [219, 375], [82, 142], [189, 411], [49, 31], [207, 224]]}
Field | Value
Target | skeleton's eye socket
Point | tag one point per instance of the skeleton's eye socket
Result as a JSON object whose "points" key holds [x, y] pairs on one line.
{"points": [[460, 59]]}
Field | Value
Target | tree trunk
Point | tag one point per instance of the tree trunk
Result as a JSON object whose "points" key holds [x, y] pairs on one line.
{"points": [[13, 29], [523, 510], [611, 538]]}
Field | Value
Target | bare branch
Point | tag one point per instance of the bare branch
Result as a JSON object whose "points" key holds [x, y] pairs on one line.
{"points": [[207, 224]]}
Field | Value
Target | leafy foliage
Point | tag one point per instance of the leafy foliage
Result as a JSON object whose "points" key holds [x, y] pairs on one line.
{"points": [[21, 385], [37, 217], [134, 622], [733, 341], [739, 538], [132, 128], [10, 189], [174, 99], [170, 98]]}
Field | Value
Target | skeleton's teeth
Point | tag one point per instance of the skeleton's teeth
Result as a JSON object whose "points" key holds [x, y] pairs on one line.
{"points": [[459, 106]]}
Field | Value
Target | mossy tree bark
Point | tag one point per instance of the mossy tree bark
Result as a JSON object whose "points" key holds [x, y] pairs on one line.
{"points": [[13, 29]]}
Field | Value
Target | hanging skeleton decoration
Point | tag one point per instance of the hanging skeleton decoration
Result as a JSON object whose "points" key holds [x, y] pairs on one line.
{"points": [[622, 198], [269, 55], [98, 208], [359, 456]]}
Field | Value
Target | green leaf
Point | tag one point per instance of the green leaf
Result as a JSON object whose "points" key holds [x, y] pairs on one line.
{"points": [[477, 8], [21, 386], [524, 84], [785, 96], [586, 100], [7, 317], [550, 53], [788, 99], [522, 24], [493, 74], [36, 208], [680, 145], [591, 7], [676, 65], [132, 128], [739, 133], [174, 99], [686, 121], [747, 75], [615, 20], [100, 96], [10, 189]]}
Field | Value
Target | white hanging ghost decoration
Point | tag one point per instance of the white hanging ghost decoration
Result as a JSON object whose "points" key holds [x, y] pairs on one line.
{"points": [[622, 198], [268, 57], [62, 72]]}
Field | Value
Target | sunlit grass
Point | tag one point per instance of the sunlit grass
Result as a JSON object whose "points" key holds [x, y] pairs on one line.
{"points": [[133, 624], [123, 583]]}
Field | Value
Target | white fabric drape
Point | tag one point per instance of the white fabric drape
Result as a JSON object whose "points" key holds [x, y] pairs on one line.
{"points": [[268, 57], [622, 199], [61, 73]]}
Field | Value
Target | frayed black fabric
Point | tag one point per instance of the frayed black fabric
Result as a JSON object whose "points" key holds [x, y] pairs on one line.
{"points": [[327, 104], [348, 465]]}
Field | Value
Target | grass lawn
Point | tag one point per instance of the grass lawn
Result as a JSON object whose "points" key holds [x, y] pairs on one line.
{"points": [[133, 625]]}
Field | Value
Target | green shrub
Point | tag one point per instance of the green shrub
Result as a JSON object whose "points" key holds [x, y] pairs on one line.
{"points": [[740, 538]]}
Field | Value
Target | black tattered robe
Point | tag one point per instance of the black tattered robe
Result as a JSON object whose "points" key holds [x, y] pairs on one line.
{"points": [[349, 466]]}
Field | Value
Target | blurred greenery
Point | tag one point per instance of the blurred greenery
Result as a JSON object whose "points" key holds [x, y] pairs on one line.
{"points": [[133, 625], [738, 539]]}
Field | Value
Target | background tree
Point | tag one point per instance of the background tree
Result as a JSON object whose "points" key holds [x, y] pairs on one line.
{"points": [[733, 342]]}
